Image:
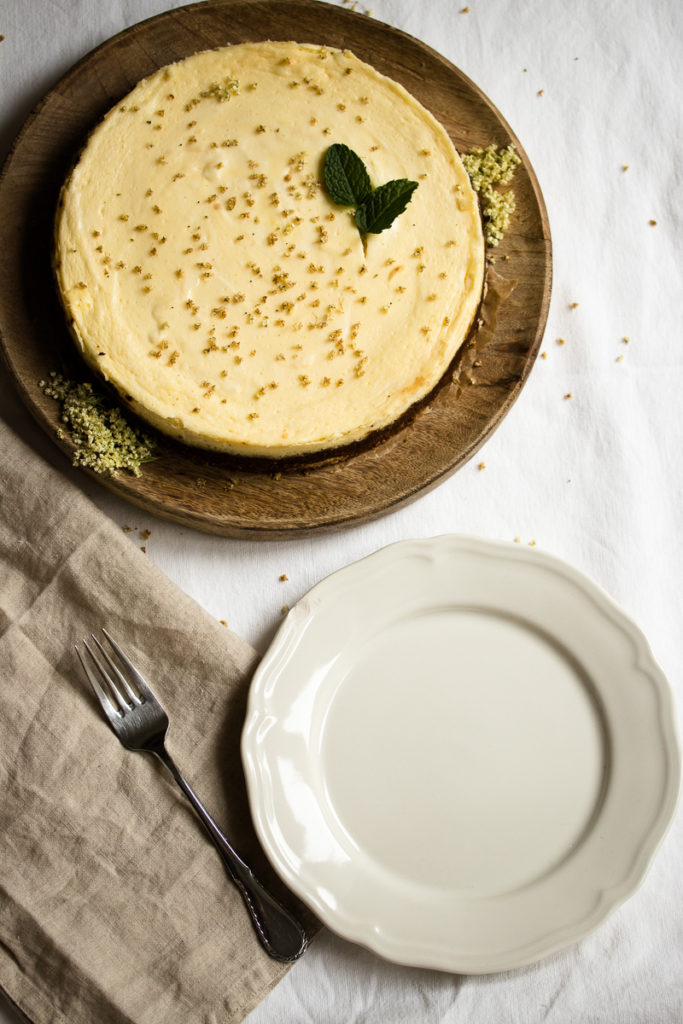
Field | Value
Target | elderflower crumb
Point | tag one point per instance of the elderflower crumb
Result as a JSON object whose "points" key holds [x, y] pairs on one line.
{"points": [[104, 441], [229, 88], [489, 168]]}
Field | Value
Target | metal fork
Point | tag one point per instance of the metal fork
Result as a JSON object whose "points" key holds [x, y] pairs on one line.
{"points": [[140, 722]]}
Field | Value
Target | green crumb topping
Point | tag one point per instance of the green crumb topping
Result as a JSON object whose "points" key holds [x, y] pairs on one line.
{"points": [[104, 441], [230, 87], [488, 169]]}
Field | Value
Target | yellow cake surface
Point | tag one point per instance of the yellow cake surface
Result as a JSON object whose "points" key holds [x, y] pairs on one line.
{"points": [[210, 278]]}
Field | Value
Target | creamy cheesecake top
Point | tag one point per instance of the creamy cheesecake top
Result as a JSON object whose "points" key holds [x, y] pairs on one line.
{"points": [[209, 276]]}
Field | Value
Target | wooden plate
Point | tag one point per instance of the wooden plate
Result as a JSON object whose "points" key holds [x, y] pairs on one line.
{"points": [[213, 492]]}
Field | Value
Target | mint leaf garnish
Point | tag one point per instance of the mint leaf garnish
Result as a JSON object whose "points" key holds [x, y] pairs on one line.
{"points": [[384, 205], [348, 184], [346, 176]]}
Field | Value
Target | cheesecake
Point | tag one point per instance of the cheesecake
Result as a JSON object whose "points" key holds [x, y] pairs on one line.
{"points": [[209, 275]]}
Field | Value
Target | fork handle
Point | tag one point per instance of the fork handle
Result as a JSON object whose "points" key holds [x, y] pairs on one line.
{"points": [[280, 934]]}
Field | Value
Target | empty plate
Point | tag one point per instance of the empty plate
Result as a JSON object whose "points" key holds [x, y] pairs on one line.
{"points": [[460, 754]]}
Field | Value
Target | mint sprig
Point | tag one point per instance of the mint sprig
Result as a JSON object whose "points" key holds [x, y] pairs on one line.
{"points": [[384, 205], [346, 176], [348, 184]]}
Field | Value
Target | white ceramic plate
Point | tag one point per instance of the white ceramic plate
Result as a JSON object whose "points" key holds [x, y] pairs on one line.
{"points": [[460, 754]]}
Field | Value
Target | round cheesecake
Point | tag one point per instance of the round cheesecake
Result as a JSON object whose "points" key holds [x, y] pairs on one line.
{"points": [[209, 276]]}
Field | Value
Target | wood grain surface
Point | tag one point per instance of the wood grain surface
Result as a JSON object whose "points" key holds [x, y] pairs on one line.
{"points": [[216, 493]]}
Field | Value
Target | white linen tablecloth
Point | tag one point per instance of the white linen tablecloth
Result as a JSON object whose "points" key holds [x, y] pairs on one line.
{"points": [[593, 92]]}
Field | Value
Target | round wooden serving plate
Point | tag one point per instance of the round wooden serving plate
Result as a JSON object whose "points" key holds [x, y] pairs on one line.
{"points": [[213, 492]]}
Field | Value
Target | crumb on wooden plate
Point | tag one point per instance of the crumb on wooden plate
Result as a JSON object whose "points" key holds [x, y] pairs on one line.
{"points": [[488, 169], [102, 438]]}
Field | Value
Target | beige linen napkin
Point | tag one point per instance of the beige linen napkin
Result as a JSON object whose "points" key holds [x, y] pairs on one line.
{"points": [[114, 907]]}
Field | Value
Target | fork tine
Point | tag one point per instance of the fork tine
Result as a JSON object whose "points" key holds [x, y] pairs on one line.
{"points": [[116, 693], [133, 698], [130, 668], [110, 711]]}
